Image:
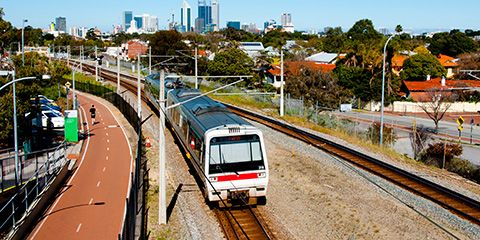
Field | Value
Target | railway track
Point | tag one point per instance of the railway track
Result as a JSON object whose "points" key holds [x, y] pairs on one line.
{"points": [[457, 203], [237, 223]]}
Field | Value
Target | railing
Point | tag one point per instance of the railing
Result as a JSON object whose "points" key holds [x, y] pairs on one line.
{"points": [[20, 203]]}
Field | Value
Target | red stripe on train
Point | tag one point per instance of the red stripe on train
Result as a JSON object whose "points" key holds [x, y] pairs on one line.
{"points": [[237, 177]]}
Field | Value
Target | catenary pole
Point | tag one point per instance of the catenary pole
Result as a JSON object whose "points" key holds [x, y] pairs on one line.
{"points": [[162, 191]]}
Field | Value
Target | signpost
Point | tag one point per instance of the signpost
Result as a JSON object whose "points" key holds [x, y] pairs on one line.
{"points": [[67, 89], [472, 122], [460, 122]]}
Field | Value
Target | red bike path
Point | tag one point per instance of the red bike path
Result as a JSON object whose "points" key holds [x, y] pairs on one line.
{"points": [[91, 205]]}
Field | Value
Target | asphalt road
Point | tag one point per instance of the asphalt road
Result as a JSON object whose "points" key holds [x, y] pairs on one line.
{"points": [[91, 205], [403, 125]]}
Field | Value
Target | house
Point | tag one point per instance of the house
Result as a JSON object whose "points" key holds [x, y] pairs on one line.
{"points": [[273, 75], [324, 58], [252, 49], [419, 90], [135, 48], [448, 63]]}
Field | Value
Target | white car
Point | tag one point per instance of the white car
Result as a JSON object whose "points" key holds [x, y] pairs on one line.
{"points": [[56, 117]]}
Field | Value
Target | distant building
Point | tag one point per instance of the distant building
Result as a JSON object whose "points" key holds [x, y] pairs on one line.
{"points": [[233, 24], [252, 49], [138, 21], [127, 19], [324, 58], [384, 31], [61, 24], [135, 48], [215, 15], [273, 75], [250, 27], [149, 23], [79, 32], [186, 17], [287, 25]]}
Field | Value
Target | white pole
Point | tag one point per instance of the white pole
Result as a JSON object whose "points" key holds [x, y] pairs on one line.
{"points": [[74, 92], [81, 58], [282, 110], [149, 60], [383, 90], [196, 68], [139, 89], [68, 55], [23, 42], [96, 65], [118, 74], [15, 134], [162, 186]]}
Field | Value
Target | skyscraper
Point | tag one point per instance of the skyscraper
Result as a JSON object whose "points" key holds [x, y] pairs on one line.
{"points": [[186, 17], [61, 24], [205, 13], [286, 19], [233, 24], [215, 15], [139, 21], [127, 18]]}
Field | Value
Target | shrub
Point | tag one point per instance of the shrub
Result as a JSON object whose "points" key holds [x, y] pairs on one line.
{"points": [[373, 133], [464, 168], [434, 154]]}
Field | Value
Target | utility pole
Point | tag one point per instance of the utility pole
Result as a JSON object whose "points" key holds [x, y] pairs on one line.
{"points": [[118, 73], [149, 60], [96, 64], [282, 110], [162, 191], [23, 41], [196, 68], [81, 58], [139, 89], [68, 55], [18, 179]]}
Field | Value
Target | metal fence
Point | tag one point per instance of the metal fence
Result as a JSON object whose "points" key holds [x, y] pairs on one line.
{"points": [[39, 174]]}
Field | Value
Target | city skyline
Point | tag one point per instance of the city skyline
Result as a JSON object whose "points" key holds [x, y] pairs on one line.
{"points": [[307, 14]]}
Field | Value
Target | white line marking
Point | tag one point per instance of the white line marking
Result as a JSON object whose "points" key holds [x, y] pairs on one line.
{"points": [[98, 184], [108, 149], [78, 228], [91, 201], [111, 126], [105, 168], [69, 181], [108, 140], [106, 134], [106, 158]]}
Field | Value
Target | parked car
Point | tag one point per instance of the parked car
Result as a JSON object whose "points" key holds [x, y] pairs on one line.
{"points": [[55, 117], [46, 102]]}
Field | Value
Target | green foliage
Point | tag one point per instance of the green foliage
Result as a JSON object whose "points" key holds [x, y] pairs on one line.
{"points": [[359, 81], [418, 66], [452, 44], [435, 153], [232, 61], [232, 34], [464, 168], [399, 28], [334, 40], [316, 87], [363, 30]]}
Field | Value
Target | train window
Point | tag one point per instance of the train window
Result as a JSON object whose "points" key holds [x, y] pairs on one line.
{"points": [[256, 151]]}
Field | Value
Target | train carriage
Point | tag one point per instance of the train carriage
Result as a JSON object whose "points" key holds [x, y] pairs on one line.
{"points": [[228, 153]]}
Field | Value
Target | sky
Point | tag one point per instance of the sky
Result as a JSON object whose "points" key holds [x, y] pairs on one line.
{"points": [[416, 15]]}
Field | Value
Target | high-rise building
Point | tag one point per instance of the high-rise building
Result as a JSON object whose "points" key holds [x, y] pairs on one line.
{"points": [[61, 24], [150, 23], [186, 17], [233, 24], [127, 19], [205, 13], [215, 15], [138, 21], [286, 19]]}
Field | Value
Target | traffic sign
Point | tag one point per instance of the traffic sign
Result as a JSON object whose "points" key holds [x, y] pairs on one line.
{"points": [[460, 128], [460, 120], [67, 84]]}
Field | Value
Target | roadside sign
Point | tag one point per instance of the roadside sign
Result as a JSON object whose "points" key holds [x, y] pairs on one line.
{"points": [[460, 120], [71, 126], [67, 84]]}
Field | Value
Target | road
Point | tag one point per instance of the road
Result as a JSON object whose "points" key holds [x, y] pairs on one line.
{"points": [[91, 205], [403, 124]]}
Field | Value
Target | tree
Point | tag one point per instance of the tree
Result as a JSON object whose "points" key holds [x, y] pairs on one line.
{"points": [[232, 61], [451, 44], [418, 66], [398, 28], [315, 87], [166, 43], [334, 40], [436, 104], [363, 30], [437, 152]]}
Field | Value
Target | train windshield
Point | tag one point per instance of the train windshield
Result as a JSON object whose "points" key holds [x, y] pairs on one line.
{"points": [[236, 154]]}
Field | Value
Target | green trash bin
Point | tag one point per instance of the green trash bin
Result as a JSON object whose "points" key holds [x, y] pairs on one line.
{"points": [[71, 126]]}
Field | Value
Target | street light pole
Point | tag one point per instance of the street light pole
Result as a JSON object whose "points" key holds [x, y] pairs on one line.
{"points": [[150, 60], [383, 89], [196, 68], [162, 190], [118, 73], [96, 64], [282, 110], [15, 132], [23, 41]]}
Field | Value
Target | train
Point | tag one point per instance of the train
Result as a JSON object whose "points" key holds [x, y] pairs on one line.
{"points": [[227, 152]]}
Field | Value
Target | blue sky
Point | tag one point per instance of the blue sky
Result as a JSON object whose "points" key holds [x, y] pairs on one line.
{"points": [[306, 14]]}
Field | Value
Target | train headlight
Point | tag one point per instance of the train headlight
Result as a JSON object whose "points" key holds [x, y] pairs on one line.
{"points": [[213, 179], [262, 175]]}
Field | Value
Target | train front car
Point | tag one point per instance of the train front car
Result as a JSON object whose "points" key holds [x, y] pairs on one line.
{"points": [[236, 165]]}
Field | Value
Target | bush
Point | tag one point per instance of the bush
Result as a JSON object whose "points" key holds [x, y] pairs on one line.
{"points": [[464, 168], [373, 133], [434, 154]]}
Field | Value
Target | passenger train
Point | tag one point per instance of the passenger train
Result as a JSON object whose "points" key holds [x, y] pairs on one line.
{"points": [[227, 152]]}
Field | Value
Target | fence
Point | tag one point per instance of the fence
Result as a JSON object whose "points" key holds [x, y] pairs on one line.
{"points": [[134, 223], [45, 172]]}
